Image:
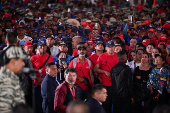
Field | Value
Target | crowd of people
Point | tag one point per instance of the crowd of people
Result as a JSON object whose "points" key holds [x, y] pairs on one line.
{"points": [[84, 56]]}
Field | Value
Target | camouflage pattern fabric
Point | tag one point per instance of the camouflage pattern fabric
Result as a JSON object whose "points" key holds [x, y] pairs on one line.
{"points": [[10, 90]]}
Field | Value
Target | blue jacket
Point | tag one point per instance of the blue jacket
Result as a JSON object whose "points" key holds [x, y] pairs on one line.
{"points": [[95, 107], [48, 87]]}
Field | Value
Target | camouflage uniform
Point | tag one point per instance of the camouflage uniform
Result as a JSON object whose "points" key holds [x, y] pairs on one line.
{"points": [[10, 90]]}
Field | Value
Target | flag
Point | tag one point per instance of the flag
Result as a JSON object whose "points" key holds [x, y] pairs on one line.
{"points": [[160, 2]]}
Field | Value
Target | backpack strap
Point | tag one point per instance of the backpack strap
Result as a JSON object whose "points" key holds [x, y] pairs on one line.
{"points": [[74, 62]]}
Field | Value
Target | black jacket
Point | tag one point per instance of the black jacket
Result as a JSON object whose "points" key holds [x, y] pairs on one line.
{"points": [[95, 107], [121, 80], [48, 87]]}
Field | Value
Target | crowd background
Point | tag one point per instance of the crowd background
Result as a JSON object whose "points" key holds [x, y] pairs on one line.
{"points": [[124, 47]]}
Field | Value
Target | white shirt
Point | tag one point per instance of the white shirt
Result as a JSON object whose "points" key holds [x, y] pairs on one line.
{"points": [[26, 38], [133, 65]]}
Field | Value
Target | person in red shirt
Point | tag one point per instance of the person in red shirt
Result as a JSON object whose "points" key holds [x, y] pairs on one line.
{"points": [[99, 47], [85, 77], [37, 61], [103, 66]]}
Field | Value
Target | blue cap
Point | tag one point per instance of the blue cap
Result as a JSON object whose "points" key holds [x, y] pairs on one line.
{"points": [[141, 29], [34, 31], [41, 22], [28, 26], [86, 31], [110, 43], [56, 37], [103, 28], [35, 41], [112, 32], [159, 29], [7, 20], [63, 39], [168, 47], [60, 28], [74, 29], [98, 38], [35, 24], [42, 42], [81, 32], [99, 42], [21, 43], [21, 26], [42, 36]]}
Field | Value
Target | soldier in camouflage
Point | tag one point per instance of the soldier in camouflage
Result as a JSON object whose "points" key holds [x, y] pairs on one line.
{"points": [[10, 90]]}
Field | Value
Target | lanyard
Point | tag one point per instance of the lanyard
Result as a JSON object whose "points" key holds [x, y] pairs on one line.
{"points": [[73, 93]]}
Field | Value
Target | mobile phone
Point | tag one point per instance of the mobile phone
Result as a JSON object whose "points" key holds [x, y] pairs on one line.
{"points": [[63, 60]]}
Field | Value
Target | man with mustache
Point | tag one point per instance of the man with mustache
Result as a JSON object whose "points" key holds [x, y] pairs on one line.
{"points": [[66, 92], [85, 77]]}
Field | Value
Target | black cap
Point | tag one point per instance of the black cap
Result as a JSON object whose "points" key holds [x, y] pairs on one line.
{"points": [[50, 35], [81, 46]]}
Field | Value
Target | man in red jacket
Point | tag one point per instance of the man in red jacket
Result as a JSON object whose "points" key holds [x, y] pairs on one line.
{"points": [[66, 92]]}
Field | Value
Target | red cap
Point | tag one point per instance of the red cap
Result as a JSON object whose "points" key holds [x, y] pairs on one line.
{"points": [[145, 41], [28, 44], [139, 7], [6, 16], [162, 43], [166, 25], [128, 30], [162, 38], [152, 30], [84, 24], [147, 22], [89, 42]]}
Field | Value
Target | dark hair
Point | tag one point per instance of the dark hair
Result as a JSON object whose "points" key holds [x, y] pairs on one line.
{"points": [[151, 43], [97, 87], [75, 103], [69, 46], [21, 108], [139, 43], [12, 37], [81, 43], [164, 47], [70, 70], [159, 50], [49, 64], [140, 49], [60, 53], [120, 54], [133, 51]]}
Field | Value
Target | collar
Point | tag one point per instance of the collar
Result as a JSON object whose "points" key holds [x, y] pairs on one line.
{"points": [[78, 60], [98, 101]]}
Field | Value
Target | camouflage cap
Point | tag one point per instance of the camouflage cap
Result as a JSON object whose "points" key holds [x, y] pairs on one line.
{"points": [[15, 52]]}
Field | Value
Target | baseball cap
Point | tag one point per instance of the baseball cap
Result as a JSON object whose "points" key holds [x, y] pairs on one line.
{"points": [[81, 46], [152, 30], [89, 42], [98, 38], [141, 29], [159, 29], [50, 35], [99, 42], [168, 47], [28, 44], [112, 32], [43, 30], [145, 41], [133, 28], [15, 52], [110, 43], [42, 42], [21, 43], [62, 43], [162, 38], [20, 26], [41, 22], [166, 25], [84, 23]]}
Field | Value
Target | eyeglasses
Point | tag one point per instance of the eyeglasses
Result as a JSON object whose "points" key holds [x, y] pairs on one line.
{"points": [[158, 59], [150, 47], [94, 33]]}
